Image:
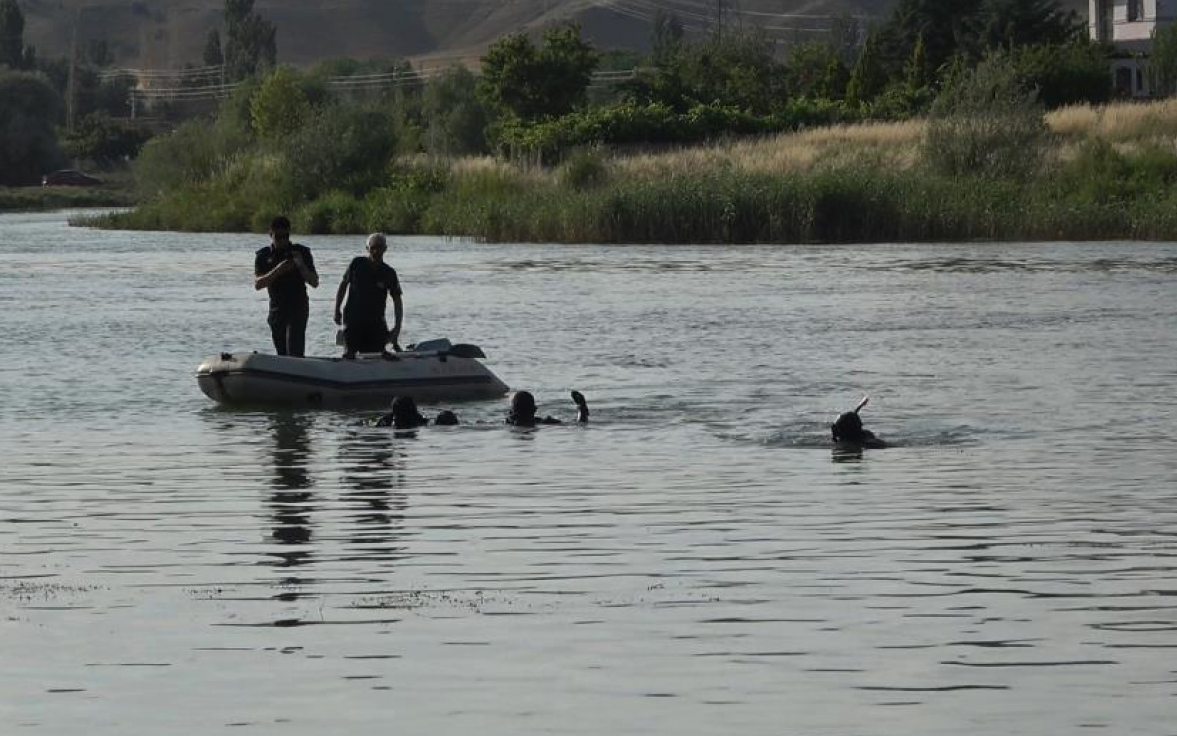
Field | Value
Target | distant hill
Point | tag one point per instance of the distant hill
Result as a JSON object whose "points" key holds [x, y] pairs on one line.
{"points": [[171, 33]]}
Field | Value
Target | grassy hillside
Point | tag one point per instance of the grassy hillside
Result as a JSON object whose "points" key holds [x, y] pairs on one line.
{"points": [[171, 33]]}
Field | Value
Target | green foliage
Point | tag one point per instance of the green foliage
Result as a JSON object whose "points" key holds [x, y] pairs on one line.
{"points": [[12, 29], [111, 96], [104, 141], [1068, 74], [57, 198], [279, 107], [732, 70], [667, 37], [986, 124], [568, 63], [900, 102], [1099, 174], [1013, 23], [332, 213], [212, 54], [250, 40], [946, 27], [532, 82], [176, 160], [869, 78], [345, 147], [918, 74], [456, 117], [1163, 60], [583, 169], [29, 109], [814, 69], [969, 28], [656, 124]]}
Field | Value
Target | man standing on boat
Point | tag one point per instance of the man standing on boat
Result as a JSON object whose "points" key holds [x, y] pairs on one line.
{"points": [[284, 269], [367, 283]]}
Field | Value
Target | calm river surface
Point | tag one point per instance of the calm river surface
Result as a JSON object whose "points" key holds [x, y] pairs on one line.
{"points": [[692, 562]]}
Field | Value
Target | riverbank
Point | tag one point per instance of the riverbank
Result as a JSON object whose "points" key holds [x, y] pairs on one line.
{"points": [[1103, 173], [117, 191]]}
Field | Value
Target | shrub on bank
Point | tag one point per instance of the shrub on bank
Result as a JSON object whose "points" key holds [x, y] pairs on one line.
{"points": [[657, 124], [986, 124]]}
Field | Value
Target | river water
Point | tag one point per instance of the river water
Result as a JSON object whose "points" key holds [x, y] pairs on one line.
{"points": [[694, 561]]}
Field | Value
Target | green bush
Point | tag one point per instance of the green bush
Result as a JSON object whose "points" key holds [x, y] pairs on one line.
{"points": [[1101, 175], [182, 158], [333, 213], [340, 147], [583, 169], [104, 141], [29, 108], [986, 124], [1067, 74]]}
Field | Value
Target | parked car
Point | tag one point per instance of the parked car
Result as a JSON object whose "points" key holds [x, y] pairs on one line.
{"points": [[69, 178]]}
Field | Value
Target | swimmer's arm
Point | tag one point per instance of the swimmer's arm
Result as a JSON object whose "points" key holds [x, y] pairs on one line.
{"points": [[582, 410]]}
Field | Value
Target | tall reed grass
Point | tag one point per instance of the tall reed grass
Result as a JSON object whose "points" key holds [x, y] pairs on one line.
{"points": [[1109, 173]]}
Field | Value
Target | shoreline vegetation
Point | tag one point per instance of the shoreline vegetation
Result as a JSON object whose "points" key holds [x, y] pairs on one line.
{"points": [[1095, 172], [42, 199]]}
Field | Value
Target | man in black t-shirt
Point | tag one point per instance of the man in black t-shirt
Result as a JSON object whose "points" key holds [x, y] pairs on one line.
{"points": [[367, 283], [284, 269]]}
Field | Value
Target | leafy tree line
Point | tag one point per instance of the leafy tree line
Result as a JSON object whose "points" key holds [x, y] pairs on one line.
{"points": [[34, 89]]}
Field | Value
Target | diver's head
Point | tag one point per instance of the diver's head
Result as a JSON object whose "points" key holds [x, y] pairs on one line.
{"points": [[848, 428], [405, 414], [446, 418], [522, 407]]}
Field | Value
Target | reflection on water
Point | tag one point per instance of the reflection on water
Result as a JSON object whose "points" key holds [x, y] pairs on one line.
{"points": [[373, 473], [291, 499], [695, 560]]}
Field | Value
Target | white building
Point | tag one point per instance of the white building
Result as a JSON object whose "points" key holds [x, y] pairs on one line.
{"points": [[1129, 25]]}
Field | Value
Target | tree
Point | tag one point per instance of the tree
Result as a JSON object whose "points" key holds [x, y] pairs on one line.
{"points": [[667, 38], [456, 118], [948, 28], [971, 28], [868, 78], [212, 55], [250, 40], [1163, 61], [105, 141], [1013, 23], [279, 107], [735, 70], [917, 75], [846, 36], [532, 83], [29, 110], [1065, 74], [12, 28], [987, 124], [568, 63], [814, 70]]}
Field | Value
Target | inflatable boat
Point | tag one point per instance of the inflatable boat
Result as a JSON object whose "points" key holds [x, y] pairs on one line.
{"points": [[432, 371]]}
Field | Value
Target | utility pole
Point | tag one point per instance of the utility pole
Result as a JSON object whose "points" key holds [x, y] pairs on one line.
{"points": [[721, 11], [71, 101]]}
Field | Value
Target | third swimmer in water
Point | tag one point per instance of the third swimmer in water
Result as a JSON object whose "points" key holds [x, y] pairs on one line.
{"points": [[523, 409], [849, 434]]}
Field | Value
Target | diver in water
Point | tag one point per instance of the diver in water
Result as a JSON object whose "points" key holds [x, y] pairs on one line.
{"points": [[523, 409], [404, 415], [849, 434]]}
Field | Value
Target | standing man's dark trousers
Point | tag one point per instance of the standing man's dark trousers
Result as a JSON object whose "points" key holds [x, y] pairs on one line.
{"points": [[369, 336], [288, 327]]}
